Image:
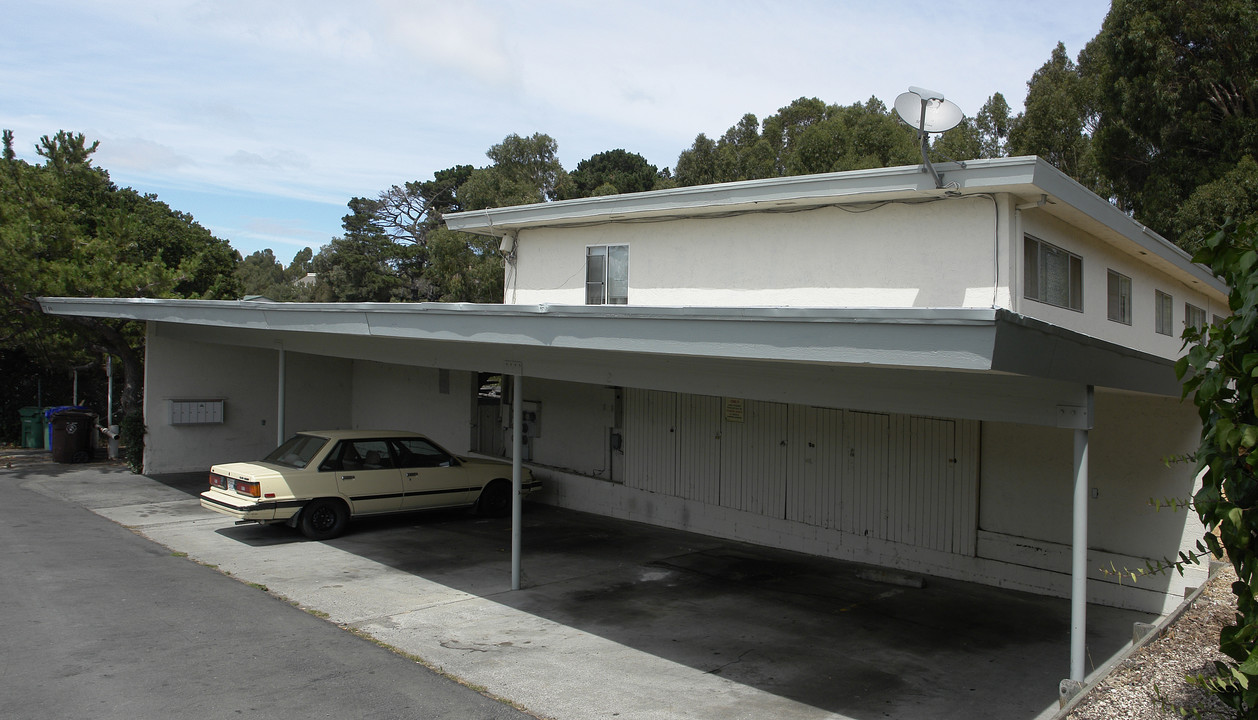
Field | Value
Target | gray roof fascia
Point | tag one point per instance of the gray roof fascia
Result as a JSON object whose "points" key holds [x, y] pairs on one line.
{"points": [[1026, 346], [1061, 186], [792, 191], [952, 338], [966, 339]]}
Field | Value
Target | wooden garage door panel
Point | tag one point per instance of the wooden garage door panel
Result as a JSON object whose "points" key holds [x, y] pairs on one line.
{"points": [[651, 440]]}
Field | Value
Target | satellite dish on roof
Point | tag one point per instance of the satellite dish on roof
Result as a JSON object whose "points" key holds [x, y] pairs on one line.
{"points": [[928, 112]]}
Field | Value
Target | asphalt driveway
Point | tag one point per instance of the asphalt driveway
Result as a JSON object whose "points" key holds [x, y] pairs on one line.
{"points": [[620, 619]]}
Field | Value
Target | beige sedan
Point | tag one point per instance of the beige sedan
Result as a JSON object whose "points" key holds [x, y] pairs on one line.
{"points": [[318, 480]]}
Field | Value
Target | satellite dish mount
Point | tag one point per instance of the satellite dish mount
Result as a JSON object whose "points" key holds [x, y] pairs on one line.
{"points": [[928, 112]]}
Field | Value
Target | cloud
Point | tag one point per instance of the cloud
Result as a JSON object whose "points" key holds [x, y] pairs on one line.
{"points": [[138, 155], [279, 160]]}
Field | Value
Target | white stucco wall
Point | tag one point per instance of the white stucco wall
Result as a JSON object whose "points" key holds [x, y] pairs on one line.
{"points": [[1025, 506], [1098, 258], [246, 379], [946, 253], [935, 254], [575, 425], [402, 397]]}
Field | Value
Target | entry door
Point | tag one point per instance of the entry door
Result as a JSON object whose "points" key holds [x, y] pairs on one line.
{"points": [[365, 474], [431, 477]]}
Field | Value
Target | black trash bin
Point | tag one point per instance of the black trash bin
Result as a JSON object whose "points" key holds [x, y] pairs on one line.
{"points": [[72, 433]]}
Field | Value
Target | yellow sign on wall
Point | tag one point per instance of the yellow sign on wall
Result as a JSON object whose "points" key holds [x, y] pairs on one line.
{"points": [[734, 410]]}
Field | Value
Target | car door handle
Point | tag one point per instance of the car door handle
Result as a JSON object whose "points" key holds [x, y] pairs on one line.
{"points": [[347, 477], [411, 474]]}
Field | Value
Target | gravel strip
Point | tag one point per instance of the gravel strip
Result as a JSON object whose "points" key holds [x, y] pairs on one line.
{"points": [[1189, 647]]}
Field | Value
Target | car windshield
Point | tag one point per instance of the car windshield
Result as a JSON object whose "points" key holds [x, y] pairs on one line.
{"points": [[297, 451]]}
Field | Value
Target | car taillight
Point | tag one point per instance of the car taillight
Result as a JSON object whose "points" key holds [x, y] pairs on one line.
{"points": [[249, 487], [218, 481]]}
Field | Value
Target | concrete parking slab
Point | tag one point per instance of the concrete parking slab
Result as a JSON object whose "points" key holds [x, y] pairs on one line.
{"points": [[621, 619]]}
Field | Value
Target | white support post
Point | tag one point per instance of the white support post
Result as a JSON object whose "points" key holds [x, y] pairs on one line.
{"points": [[1079, 561], [517, 451], [279, 419]]}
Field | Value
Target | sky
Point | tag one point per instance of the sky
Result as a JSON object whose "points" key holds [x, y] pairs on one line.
{"points": [[262, 118]]}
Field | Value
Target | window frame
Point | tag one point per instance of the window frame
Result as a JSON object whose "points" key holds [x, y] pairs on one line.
{"points": [[1163, 313], [1119, 312], [1189, 311], [1035, 273], [610, 290]]}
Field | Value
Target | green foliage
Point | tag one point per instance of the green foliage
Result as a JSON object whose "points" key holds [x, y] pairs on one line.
{"points": [[1234, 195], [1177, 99], [807, 136], [131, 438], [526, 170], [1055, 123], [611, 173], [262, 274], [67, 230], [986, 135], [1220, 371]]}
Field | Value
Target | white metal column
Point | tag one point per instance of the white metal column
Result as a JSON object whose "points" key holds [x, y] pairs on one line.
{"points": [[1079, 561], [1079, 546], [279, 421], [517, 451]]}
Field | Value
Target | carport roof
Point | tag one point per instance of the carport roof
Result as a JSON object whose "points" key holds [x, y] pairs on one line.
{"points": [[983, 340]]}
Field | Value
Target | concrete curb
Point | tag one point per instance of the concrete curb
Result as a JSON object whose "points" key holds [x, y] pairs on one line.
{"points": [[1151, 633]]}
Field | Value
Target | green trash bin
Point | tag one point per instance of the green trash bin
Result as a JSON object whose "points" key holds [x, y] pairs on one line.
{"points": [[32, 427]]}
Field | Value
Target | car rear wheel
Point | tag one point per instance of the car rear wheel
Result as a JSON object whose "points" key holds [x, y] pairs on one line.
{"points": [[495, 499], [323, 519]]}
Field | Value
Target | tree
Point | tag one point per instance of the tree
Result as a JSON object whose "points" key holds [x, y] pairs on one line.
{"points": [[1234, 195], [855, 137], [986, 135], [406, 213], [781, 129], [1219, 373], [262, 274], [1179, 106], [610, 173], [526, 170], [697, 165], [361, 265], [67, 230], [1058, 119]]}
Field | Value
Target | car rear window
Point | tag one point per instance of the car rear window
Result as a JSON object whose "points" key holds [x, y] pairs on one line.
{"points": [[297, 451]]}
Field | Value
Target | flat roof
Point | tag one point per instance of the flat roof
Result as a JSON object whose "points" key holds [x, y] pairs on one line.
{"points": [[1028, 178]]}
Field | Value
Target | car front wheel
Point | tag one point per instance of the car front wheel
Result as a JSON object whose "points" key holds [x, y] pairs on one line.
{"points": [[323, 519], [495, 499]]}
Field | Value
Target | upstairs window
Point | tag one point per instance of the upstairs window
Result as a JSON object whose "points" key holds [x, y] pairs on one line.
{"points": [[1162, 313], [1052, 275], [1119, 298], [607, 275], [1194, 317]]}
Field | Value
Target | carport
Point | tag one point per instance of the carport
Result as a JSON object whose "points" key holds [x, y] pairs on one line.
{"points": [[982, 364]]}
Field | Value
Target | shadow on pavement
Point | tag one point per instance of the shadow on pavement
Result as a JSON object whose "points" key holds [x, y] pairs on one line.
{"points": [[797, 626]]}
